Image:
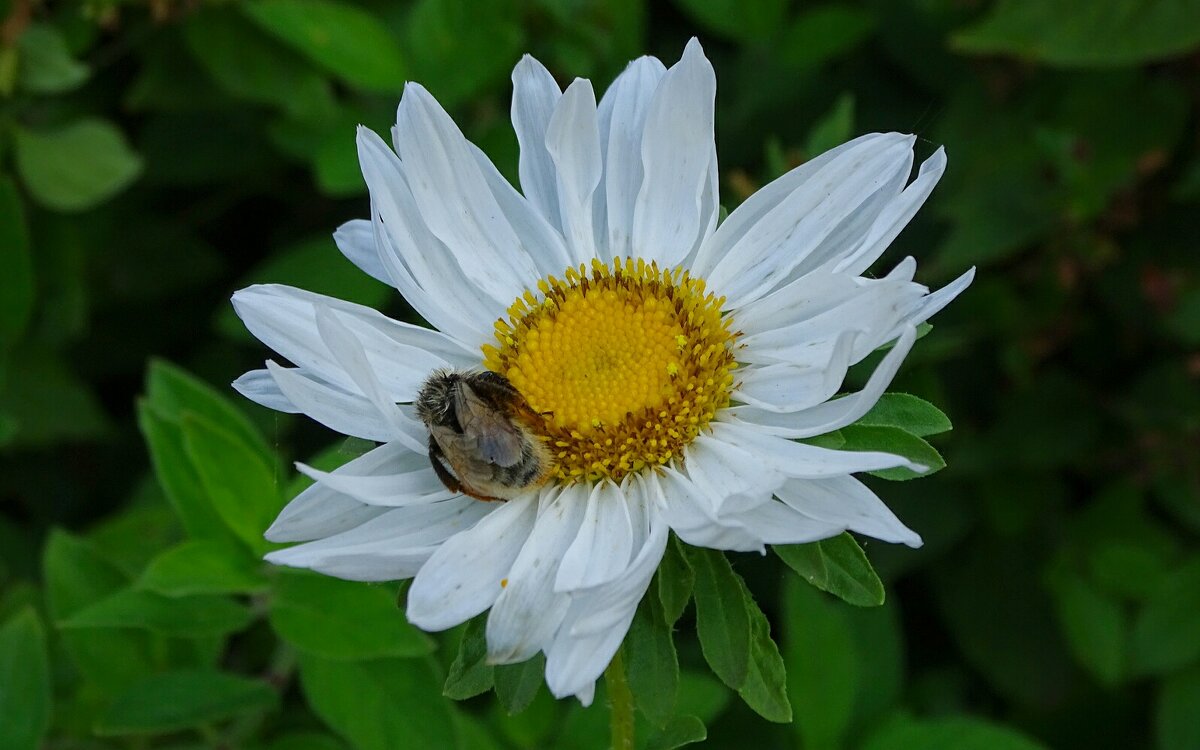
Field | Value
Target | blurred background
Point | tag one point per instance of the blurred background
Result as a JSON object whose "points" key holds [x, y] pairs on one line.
{"points": [[155, 156]]}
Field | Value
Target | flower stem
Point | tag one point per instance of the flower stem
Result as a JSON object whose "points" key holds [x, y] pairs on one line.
{"points": [[620, 703]]}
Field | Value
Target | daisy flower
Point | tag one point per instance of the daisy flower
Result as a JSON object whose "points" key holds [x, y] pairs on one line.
{"points": [[674, 363]]}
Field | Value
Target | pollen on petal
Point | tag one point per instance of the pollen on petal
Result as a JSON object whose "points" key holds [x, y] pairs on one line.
{"points": [[622, 364]]}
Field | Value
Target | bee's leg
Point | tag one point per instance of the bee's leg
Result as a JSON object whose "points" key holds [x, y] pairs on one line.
{"points": [[436, 459]]}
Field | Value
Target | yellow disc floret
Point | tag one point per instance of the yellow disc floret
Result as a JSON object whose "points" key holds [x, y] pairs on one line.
{"points": [[623, 364]]}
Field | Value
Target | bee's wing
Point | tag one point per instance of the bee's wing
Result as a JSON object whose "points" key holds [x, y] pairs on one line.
{"points": [[496, 439]]}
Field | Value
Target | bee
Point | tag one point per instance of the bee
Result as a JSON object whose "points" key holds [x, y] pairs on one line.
{"points": [[480, 443]]}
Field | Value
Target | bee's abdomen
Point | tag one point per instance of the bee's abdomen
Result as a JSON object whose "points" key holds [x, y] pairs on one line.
{"points": [[520, 474], [526, 471]]}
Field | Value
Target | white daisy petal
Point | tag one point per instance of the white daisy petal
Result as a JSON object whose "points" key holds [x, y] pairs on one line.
{"points": [[775, 522], [875, 312], [725, 471], [710, 208], [260, 387], [418, 263], [454, 200], [623, 120], [601, 550], [535, 95], [744, 218], [677, 152], [688, 511], [895, 216], [543, 242], [349, 352], [797, 385], [392, 546], [601, 618], [318, 512], [342, 411], [804, 298], [852, 231], [463, 576], [356, 240], [933, 303], [833, 415], [847, 502], [573, 140], [805, 461], [401, 355], [604, 607], [528, 611], [411, 485], [587, 694], [321, 511], [821, 208]]}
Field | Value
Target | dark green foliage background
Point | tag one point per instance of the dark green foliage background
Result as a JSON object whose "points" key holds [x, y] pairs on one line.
{"points": [[155, 157]]}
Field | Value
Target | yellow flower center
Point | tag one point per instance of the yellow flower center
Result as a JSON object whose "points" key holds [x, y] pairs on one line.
{"points": [[624, 366]]}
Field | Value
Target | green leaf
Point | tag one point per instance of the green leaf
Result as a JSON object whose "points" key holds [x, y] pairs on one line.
{"points": [[824, 32], [702, 695], [532, 725], [651, 663], [314, 265], [1164, 635], [45, 65], [189, 617], [240, 484], [344, 39], [1175, 717], [337, 619], [142, 531], [1097, 34], [16, 283], [76, 167], [338, 174], [306, 741], [822, 666], [378, 705], [25, 697], [1131, 568], [77, 576], [178, 478], [956, 733], [470, 674], [722, 621], [831, 440], [473, 733], [517, 684], [765, 689], [180, 700], [675, 580], [879, 656], [835, 127], [747, 22], [50, 402], [679, 731], [910, 413], [897, 441], [203, 566], [175, 392], [1094, 624], [1008, 634], [459, 48], [837, 565], [253, 66]]}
